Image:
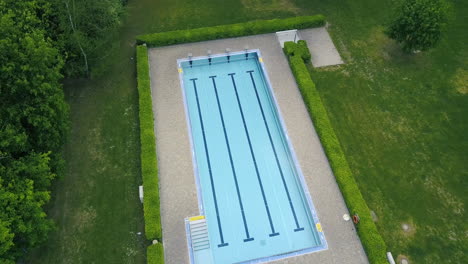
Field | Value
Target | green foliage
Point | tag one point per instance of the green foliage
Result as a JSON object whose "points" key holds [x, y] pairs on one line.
{"points": [[23, 192], [32, 98], [418, 24], [33, 124], [303, 50], [229, 31], [85, 28], [289, 48], [300, 48], [372, 241], [155, 254], [149, 169], [6, 237]]}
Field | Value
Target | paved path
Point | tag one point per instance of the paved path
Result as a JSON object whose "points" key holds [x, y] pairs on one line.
{"points": [[178, 191], [321, 47]]}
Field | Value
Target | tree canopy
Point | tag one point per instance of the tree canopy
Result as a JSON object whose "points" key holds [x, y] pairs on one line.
{"points": [[42, 40], [86, 27], [33, 124], [418, 24]]}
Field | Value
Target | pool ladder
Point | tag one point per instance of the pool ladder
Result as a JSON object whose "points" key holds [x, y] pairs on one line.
{"points": [[199, 234]]}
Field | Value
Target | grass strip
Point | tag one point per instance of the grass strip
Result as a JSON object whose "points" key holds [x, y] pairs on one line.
{"points": [[229, 31], [371, 239]]}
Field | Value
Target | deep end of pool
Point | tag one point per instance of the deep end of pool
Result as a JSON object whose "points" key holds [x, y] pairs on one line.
{"points": [[254, 203]]}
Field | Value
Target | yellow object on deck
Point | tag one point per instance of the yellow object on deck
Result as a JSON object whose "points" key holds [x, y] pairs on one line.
{"points": [[319, 227], [260, 59], [195, 218], [180, 70]]}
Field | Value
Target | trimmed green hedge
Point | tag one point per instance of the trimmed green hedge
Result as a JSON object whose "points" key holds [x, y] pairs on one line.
{"points": [[300, 48], [303, 50], [155, 254], [229, 31], [371, 239], [149, 162], [289, 48]]}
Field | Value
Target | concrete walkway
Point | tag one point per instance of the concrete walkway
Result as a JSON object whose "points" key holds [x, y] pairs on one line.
{"points": [[178, 191], [321, 47]]}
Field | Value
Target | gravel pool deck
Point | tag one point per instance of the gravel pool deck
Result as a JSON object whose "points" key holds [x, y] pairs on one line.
{"points": [[177, 183]]}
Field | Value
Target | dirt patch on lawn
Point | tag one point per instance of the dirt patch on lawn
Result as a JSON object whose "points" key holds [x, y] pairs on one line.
{"points": [[460, 81], [85, 218], [451, 201], [401, 258]]}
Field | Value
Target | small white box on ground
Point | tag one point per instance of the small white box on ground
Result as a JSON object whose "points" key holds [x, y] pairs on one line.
{"points": [[140, 189], [287, 35]]}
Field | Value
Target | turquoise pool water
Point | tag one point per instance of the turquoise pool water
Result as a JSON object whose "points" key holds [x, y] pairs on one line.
{"points": [[250, 188]]}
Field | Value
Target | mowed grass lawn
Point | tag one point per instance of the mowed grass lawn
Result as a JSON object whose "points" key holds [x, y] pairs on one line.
{"points": [[402, 121]]}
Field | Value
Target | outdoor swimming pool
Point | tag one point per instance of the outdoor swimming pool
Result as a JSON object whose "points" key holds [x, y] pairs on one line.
{"points": [[250, 188]]}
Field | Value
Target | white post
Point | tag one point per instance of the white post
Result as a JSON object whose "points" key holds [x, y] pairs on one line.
{"points": [[140, 189], [390, 258]]}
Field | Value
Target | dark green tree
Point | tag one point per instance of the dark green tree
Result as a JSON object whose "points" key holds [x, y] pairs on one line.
{"points": [[31, 95], [6, 237], [88, 28], [33, 123], [36, 36], [22, 199], [418, 24]]}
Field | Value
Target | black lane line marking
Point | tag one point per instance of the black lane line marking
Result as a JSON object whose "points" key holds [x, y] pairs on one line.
{"points": [[232, 163], [223, 244], [273, 233], [298, 228]]}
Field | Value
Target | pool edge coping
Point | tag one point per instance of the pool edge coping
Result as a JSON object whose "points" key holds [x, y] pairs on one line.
{"points": [[299, 173]]}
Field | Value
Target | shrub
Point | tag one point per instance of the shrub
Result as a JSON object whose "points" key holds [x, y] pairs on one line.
{"points": [[418, 24], [300, 49], [303, 50], [289, 48], [228, 31], [371, 239], [155, 254], [149, 169]]}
